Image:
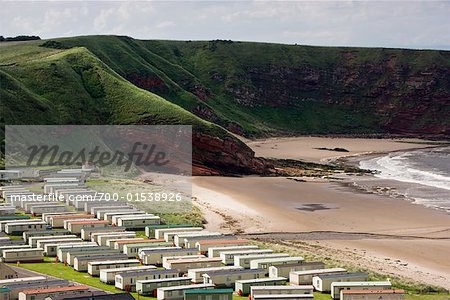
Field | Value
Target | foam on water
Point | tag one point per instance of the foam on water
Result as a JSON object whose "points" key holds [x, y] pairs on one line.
{"points": [[427, 170]]}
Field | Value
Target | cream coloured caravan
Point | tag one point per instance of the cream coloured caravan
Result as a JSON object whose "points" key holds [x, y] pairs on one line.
{"points": [[108, 275], [227, 278], [127, 281], [23, 255], [94, 267], [32, 241], [227, 257], [244, 260], [103, 239], [154, 255], [159, 233], [305, 277], [183, 265], [215, 251], [138, 222], [284, 270], [19, 228]]}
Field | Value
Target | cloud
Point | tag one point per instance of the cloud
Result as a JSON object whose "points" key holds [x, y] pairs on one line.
{"points": [[165, 24], [112, 17], [354, 23]]}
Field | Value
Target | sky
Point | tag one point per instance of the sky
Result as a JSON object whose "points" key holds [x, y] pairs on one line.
{"points": [[406, 24]]}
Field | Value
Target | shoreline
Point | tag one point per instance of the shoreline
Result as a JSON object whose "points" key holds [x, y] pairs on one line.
{"points": [[386, 186], [395, 188], [347, 159], [360, 156], [332, 213]]}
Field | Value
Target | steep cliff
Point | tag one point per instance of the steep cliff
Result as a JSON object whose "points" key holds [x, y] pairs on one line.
{"points": [[258, 89], [251, 89]]}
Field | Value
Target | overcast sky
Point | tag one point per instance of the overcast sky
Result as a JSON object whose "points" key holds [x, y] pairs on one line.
{"points": [[410, 24]]}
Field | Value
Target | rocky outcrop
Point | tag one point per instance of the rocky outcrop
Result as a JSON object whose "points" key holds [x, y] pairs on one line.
{"points": [[147, 82], [225, 156]]}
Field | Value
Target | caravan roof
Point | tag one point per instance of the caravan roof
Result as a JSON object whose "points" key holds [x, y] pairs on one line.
{"points": [[152, 271], [360, 283], [345, 275], [231, 271], [94, 221], [231, 241], [319, 271], [21, 279], [107, 262], [262, 279], [56, 289], [184, 287]]}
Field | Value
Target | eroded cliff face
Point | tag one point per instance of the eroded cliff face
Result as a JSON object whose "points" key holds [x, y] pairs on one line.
{"points": [[225, 156], [262, 89], [403, 99]]}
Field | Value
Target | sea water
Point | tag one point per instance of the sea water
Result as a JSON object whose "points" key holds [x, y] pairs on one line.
{"points": [[424, 174]]}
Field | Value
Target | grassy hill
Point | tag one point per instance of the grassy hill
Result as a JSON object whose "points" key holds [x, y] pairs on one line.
{"points": [[260, 89], [42, 85], [252, 89]]}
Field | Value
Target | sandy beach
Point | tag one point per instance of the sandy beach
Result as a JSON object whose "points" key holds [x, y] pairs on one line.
{"points": [[385, 234], [305, 148]]}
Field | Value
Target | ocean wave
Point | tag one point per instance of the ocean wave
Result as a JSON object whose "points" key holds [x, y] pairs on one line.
{"points": [[438, 204], [404, 167]]}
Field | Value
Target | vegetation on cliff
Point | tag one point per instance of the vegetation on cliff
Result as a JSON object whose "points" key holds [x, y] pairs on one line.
{"points": [[259, 89], [43, 85], [252, 89]]}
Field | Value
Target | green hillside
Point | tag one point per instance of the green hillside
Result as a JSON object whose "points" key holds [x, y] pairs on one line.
{"points": [[41, 85], [258, 89], [74, 87], [252, 89]]}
